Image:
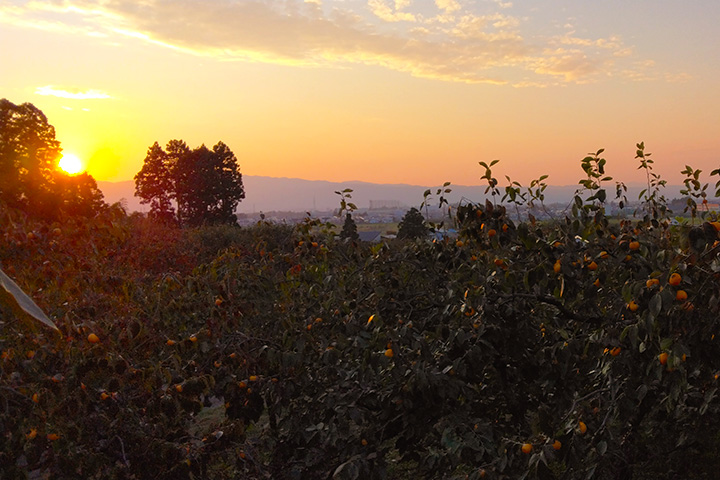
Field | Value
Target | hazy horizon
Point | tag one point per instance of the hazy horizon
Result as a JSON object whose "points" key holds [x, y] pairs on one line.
{"points": [[300, 195]]}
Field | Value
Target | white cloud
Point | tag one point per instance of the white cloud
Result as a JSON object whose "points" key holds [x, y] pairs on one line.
{"points": [[72, 94]]}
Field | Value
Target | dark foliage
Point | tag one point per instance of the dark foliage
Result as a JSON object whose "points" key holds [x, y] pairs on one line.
{"points": [[29, 177], [204, 185], [412, 225], [349, 229]]}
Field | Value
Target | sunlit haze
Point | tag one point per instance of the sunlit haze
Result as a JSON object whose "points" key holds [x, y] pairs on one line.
{"points": [[386, 91], [70, 163]]}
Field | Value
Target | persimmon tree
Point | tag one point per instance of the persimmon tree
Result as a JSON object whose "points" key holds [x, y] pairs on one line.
{"points": [[581, 348]]}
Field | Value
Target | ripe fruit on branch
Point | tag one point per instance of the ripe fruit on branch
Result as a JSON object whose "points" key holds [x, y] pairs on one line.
{"points": [[582, 427]]}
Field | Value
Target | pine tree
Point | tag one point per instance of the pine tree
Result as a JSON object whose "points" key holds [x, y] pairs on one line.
{"points": [[206, 185], [349, 229], [412, 225], [154, 183]]}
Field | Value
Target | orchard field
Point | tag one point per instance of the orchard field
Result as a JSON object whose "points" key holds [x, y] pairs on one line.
{"points": [[568, 349]]}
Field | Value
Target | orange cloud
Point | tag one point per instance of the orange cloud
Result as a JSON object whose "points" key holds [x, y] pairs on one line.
{"points": [[456, 45]]}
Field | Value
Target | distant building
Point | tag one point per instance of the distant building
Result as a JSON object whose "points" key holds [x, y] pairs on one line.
{"points": [[371, 236], [384, 204], [450, 233]]}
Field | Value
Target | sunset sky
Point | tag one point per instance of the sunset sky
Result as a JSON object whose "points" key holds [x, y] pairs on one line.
{"points": [[386, 91]]}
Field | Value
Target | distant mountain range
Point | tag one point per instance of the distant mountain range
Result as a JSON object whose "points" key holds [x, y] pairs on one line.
{"points": [[271, 194]]}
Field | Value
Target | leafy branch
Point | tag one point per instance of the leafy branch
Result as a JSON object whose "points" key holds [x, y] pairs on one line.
{"points": [[491, 181], [346, 206]]}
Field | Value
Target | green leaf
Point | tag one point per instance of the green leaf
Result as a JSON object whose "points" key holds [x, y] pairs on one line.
{"points": [[709, 396], [591, 472], [655, 305], [602, 447], [641, 392], [18, 298], [348, 470]]}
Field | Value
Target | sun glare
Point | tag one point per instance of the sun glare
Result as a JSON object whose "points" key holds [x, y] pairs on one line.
{"points": [[70, 164]]}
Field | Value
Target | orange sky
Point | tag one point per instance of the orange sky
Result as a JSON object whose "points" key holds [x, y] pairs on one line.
{"points": [[386, 91]]}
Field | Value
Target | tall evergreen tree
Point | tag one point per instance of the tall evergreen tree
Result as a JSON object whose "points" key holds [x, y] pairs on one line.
{"points": [[154, 183], [349, 229], [205, 185], [412, 225]]}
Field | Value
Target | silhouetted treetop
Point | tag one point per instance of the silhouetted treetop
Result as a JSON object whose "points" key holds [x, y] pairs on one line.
{"points": [[349, 229], [29, 177], [412, 225], [194, 187]]}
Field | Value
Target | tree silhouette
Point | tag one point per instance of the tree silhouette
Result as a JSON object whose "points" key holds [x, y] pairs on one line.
{"points": [[28, 154], [154, 183], [349, 229], [412, 225], [79, 195], [206, 185], [29, 177]]}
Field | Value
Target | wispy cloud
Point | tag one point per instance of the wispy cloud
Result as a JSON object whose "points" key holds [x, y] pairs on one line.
{"points": [[391, 10], [448, 5], [451, 40], [72, 94]]}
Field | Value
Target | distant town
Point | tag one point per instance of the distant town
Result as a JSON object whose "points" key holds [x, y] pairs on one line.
{"points": [[382, 206]]}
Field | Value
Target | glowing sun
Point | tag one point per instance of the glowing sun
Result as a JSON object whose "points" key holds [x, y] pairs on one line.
{"points": [[70, 164]]}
